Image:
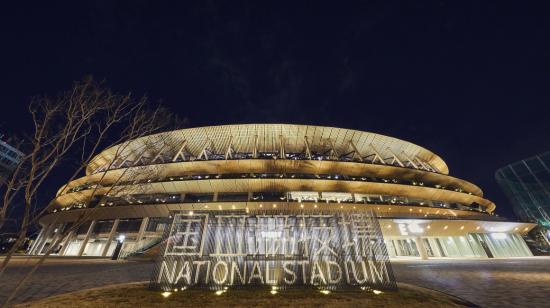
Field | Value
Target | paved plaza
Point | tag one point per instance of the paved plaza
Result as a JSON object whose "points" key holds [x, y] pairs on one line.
{"points": [[488, 283], [521, 282]]}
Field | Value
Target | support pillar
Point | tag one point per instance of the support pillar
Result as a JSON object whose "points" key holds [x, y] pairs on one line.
{"points": [[58, 234], [141, 232], [421, 248], [111, 237], [44, 239], [66, 243], [38, 239], [87, 238]]}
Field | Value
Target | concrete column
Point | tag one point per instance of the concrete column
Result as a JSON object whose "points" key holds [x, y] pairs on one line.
{"points": [[54, 231], [38, 239], [421, 248], [142, 229], [58, 234], [44, 239], [111, 237], [86, 239], [66, 243]]}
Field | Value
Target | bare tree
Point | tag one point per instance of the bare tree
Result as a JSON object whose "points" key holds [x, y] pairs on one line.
{"points": [[80, 121]]}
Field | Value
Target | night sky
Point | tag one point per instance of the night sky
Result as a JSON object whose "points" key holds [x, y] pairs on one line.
{"points": [[467, 80]]}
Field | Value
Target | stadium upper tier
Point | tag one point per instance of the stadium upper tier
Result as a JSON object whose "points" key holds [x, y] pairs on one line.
{"points": [[290, 160], [272, 141]]}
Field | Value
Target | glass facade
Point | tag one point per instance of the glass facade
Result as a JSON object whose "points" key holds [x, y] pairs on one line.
{"points": [[101, 237], [9, 159], [527, 185], [472, 245]]}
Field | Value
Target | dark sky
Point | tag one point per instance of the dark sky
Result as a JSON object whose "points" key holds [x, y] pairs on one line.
{"points": [[468, 80]]}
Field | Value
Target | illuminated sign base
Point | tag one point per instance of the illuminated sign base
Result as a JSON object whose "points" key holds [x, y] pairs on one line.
{"points": [[219, 249]]}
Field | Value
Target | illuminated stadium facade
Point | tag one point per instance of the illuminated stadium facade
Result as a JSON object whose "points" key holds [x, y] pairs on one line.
{"points": [[131, 191]]}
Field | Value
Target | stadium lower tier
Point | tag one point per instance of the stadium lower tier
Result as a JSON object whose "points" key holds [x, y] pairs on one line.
{"points": [[409, 232]]}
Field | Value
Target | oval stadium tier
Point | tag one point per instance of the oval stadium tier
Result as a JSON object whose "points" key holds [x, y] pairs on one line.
{"points": [[123, 204]]}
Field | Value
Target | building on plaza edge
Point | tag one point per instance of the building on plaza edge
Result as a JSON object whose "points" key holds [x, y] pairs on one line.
{"points": [[526, 183], [10, 157], [122, 203]]}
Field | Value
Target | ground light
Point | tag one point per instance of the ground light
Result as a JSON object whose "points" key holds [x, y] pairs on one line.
{"points": [[273, 290], [326, 292], [376, 292], [166, 294]]}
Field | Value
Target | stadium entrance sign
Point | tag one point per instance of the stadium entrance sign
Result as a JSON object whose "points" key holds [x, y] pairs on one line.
{"points": [[214, 250]]}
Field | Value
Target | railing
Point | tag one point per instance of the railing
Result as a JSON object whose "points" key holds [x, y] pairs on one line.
{"points": [[304, 176]]}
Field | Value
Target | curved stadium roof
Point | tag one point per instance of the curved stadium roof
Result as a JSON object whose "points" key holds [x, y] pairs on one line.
{"points": [[276, 138]]}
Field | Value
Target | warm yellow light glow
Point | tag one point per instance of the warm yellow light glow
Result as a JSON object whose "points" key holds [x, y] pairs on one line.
{"points": [[190, 212], [477, 228], [166, 294], [462, 228], [273, 292], [219, 292], [301, 205], [525, 229], [377, 292], [315, 206], [445, 228], [274, 205], [326, 292], [428, 227]]}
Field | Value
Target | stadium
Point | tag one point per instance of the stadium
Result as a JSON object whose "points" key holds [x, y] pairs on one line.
{"points": [[124, 203]]}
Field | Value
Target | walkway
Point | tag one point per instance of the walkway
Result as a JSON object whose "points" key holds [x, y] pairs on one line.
{"points": [[488, 283]]}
